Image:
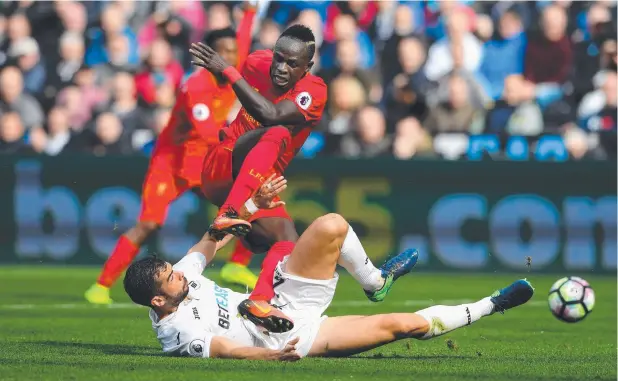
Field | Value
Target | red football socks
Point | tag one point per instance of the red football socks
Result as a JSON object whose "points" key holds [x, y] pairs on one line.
{"points": [[264, 289], [117, 263], [257, 167], [241, 254]]}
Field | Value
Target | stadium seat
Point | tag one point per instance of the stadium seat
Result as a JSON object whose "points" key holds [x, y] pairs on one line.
{"points": [[450, 146], [482, 144], [313, 145], [517, 148], [551, 148]]}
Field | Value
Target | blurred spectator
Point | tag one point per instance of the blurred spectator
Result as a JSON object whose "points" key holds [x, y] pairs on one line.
{"points": [[460, 49], [18, 28], [516, 112], [26, 52], [73, 16], [484, 28], [312, 19], [161, 118], [160, 70], [72, 50], [59, 131], [13, 98], [368, 136], [457, 114], [345, 28], [504, 55], [80, 100], [268, 35], [12, 135], [119, 55], [346, 96], [348, 60], [456, 61], [410, 139], [123, 104], [37, 139], [405, 95], [109, 138], [588, 53], [113, 22], [549, 56], [179, 23], [403, 27]]}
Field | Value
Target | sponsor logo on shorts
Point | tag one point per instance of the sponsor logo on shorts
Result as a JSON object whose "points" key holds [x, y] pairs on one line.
{"points": [[469, 317]]}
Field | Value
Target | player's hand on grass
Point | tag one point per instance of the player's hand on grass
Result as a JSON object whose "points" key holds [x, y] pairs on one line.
{"points": [[289, 352], [264, 196], [204, 56]]}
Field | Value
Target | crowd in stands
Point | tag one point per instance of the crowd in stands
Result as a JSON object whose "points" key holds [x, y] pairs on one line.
{"points": [[507, 79]]}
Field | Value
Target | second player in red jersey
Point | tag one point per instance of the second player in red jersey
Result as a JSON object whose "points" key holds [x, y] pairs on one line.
{"points": [[202, 107], [281, 101]]}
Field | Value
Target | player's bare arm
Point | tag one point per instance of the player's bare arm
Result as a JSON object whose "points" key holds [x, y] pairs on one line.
{"points": [[263, 110], [224, 348]]}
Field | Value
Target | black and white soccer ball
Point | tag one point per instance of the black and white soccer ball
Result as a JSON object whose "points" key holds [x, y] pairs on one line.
{"points": [[571, 299]]}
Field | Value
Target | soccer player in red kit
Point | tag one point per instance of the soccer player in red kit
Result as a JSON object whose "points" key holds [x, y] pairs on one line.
{"points": [[201, 110], [282, 101]]}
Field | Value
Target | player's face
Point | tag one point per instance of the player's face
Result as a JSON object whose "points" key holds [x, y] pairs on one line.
{"points": [[290, 64], [173, 287], [227, 48]]}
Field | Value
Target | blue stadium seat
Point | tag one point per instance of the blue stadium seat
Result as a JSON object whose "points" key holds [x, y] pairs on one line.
{"points": [[481, 144], [551, 148], [517, 148], [313, 145]]}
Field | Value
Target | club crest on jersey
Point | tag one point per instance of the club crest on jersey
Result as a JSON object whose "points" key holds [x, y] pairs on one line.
{"points": [[196, 348], [201, 112], [303, 100]]}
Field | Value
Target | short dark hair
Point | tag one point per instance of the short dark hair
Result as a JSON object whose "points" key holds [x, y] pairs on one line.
{"points": [[216, 34], [140, 281], [303, 34]]}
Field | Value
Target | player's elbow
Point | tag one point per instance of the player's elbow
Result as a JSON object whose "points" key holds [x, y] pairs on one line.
{"points": [[268, 117]]}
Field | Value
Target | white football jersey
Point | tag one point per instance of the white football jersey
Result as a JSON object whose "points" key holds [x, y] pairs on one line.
{"points": [[208, 311]]}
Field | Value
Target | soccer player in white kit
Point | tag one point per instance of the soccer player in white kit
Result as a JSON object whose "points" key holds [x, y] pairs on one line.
{"points": [[192, 316]]}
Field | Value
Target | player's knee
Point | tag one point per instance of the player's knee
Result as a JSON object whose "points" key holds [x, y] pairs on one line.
{"points": [[279, 134], [146, 228], [332, 226]]}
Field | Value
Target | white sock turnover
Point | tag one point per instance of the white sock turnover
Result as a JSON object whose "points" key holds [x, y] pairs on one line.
{"points": [[443, 319], [354, 259]]}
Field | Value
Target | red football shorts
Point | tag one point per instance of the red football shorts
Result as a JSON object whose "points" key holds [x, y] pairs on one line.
{"points": [[169, 175], [217, 179]]}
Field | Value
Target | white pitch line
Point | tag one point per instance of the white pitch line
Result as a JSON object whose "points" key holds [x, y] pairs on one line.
{"points": [[342, 303]]}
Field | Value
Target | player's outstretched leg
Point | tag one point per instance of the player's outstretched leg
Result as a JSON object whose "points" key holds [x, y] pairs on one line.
{"points": [[236, 271], [375, 282], [257, 165], [125, 251], [348, 335]]}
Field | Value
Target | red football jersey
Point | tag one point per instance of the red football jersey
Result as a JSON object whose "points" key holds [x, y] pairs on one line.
{"points": [[202, 104], [309, 95]]}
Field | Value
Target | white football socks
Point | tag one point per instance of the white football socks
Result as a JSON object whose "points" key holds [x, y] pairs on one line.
{"points": [[443, 319], [354, 259]]}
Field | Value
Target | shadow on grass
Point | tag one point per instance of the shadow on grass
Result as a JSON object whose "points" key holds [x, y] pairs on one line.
{"points": [[108, 349]]}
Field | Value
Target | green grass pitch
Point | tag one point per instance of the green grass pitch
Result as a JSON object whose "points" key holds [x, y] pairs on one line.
{"points": [[47, 332]]}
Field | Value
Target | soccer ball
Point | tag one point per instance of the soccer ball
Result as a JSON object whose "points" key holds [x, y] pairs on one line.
{"points": [[571, 299]]}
